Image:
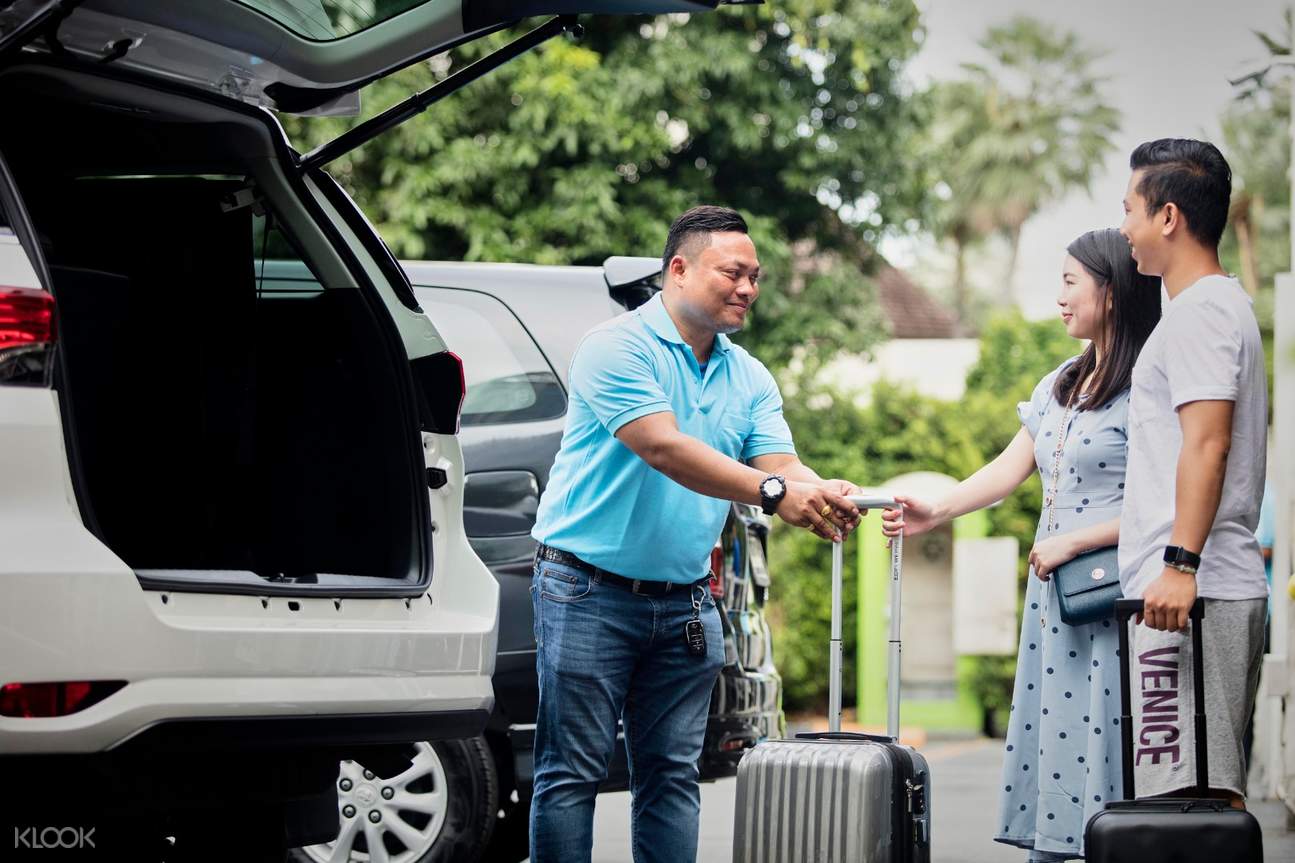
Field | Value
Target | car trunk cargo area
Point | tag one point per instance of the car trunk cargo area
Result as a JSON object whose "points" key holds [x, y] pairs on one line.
{"points": [[214, 429]]}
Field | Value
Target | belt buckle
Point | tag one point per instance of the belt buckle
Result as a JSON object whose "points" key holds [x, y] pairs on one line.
{"points": [[634, 588]]}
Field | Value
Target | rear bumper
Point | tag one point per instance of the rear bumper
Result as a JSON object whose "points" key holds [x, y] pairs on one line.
{"points": [[259, 734], [200, 762]]}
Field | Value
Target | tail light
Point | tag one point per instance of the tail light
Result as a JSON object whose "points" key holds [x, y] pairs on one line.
{"points": [[26, 335], [717, 572], [42, 700], [26, 318], [442, 387]]}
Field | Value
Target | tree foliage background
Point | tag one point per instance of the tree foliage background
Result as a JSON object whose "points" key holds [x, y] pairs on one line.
{"points": [[1016, 132], [794, 113]]}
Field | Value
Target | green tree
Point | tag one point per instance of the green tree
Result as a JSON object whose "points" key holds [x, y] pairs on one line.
{"points": [[1023, 129], [958, 118], [795, 113], [1256, 140]]}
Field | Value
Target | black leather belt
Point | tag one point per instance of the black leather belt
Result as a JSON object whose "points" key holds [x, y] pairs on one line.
{"points": [[640, 586]]}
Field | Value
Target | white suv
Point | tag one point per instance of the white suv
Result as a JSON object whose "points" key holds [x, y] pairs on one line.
{"points": [[231, 536]]}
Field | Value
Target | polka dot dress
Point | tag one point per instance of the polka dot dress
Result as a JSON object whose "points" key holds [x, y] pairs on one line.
{"points": [[1063, 739]]}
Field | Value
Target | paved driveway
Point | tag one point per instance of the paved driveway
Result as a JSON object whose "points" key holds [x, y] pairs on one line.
{"points": [[966, 776], [965, 796]]}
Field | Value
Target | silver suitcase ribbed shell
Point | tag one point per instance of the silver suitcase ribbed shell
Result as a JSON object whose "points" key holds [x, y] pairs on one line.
{"points": [[831, 801]]}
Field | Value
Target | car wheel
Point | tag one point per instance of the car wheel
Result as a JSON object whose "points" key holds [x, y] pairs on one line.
{"points": [[439, 809], [511, 840]]}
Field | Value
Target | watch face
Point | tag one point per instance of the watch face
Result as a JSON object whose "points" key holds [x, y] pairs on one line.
{"points": [[770, 487]]}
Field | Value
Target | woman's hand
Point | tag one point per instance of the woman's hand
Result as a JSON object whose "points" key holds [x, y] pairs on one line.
{"points": [[1050, 553], [918, 516]]}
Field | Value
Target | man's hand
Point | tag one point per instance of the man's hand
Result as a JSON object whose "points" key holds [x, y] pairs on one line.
{"points": [[845, 489], [1167, 603], [804, 506], [1050, 553]]}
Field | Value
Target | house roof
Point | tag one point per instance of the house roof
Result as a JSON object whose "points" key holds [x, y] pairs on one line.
{"points": [[912, 312]]}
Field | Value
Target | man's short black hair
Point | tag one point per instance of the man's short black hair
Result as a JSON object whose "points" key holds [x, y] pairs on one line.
{"points": [[1190, 174], [691, 232]]}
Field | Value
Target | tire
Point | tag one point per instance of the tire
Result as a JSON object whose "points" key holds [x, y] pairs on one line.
{"points": [[511, 842], [453, 790], [206, 836]]}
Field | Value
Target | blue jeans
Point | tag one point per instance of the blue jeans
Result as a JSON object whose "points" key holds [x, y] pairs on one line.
{"points": [[605, 653]]}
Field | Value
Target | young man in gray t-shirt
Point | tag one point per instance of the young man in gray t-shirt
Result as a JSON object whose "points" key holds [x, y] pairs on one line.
{"points": [[1198, 415]]}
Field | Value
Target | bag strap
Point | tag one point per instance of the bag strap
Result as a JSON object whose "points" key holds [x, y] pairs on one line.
{"points": [[1124, 609]]}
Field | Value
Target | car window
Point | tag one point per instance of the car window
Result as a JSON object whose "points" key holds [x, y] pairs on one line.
{"points": [[508, 378], [324, 20], [281, 272], [15, 268]]}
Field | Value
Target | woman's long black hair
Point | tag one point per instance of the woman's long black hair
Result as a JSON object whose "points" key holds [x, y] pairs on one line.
{"points": [[1134, 311]]}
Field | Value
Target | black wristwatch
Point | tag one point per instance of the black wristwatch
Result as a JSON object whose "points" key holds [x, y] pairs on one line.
{"points": [[773, 489], [1181, 559]]}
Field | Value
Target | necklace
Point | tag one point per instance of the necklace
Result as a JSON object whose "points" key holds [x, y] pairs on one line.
{"points": [[1050, 499]]}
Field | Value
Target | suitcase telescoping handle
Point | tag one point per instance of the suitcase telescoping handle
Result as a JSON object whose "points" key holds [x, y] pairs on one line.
{"points": [[866, 500], [1124, 609]]}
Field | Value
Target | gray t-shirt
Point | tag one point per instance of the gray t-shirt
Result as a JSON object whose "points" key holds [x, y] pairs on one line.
{"points": [[1206, 347]]}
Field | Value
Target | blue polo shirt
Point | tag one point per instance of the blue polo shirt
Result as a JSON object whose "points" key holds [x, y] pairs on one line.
{"points": [[606, 505]]}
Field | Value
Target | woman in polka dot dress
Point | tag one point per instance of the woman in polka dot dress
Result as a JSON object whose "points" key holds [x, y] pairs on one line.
{"points": [[1063, 744]]}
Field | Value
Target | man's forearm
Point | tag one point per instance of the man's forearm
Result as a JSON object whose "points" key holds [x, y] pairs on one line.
{"points": [[792, 469], [1199, 487], [705, 470]]}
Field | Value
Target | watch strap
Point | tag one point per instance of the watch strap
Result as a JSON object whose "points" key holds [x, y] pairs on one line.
{"points": [[1182, 559]]}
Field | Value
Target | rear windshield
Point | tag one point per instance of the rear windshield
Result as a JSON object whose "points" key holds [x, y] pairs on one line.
{"points": [[325, 20], [508, 378]]}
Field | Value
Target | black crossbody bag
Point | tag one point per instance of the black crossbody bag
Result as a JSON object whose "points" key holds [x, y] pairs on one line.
{"points": [[1088, 585]]}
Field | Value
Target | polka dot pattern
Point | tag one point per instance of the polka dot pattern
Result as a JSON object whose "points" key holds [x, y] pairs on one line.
{"points": [[1067, 678]]}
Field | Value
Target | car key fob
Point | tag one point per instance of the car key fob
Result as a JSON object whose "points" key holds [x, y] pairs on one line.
{"points": [[694, 634]]}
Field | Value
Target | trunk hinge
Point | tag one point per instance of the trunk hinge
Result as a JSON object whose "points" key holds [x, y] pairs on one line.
{"points": [[419, 102], [242, 199]]}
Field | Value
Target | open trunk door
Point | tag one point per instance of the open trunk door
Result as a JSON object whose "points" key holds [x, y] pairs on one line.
{"points": [[294, 56]]}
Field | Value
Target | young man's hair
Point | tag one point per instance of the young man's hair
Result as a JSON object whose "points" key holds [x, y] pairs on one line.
{"points": [[1190, 174], [691, 232]]}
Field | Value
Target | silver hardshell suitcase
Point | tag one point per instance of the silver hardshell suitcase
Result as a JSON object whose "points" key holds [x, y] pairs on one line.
{"points": [[838, 797]]}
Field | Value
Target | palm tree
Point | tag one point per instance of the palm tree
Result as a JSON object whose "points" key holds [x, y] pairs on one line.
{"points": [[959, 119], [1256, 140], [1022, 130]]}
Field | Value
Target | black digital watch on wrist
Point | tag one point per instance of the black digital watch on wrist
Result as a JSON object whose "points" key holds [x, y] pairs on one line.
{"points": [[1181, 559], [773, 489]]}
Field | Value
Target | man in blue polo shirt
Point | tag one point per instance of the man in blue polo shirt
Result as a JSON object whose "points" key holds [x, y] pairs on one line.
{"points": [[668, 422]]}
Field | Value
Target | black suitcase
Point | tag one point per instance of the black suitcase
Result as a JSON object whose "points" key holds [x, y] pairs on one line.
{"points": [[1169, 829]]}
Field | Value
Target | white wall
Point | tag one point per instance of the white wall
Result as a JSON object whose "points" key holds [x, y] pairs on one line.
{"points": [[934, 367]]}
